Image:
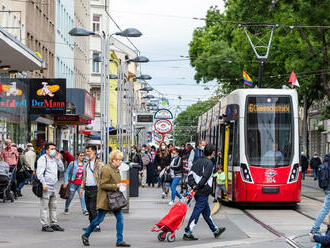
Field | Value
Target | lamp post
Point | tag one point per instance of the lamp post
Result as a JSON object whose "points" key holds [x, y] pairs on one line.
{"points": [[105, 43]]}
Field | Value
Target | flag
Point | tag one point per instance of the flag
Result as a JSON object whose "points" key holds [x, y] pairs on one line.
{"points": [[293, 79], [247, 80]]}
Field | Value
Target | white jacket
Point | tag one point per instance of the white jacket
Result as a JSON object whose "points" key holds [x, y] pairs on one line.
{"points": [[29, 159]]}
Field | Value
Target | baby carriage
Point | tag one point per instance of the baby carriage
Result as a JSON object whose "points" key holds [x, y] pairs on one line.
{"points": [[5, 183], [173, 221]]}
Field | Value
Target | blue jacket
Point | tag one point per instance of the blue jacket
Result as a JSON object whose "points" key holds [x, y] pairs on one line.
{"points": [[74, 172], [323, 240]]}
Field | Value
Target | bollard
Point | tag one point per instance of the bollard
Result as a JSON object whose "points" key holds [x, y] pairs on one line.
{"points": [[134, 179], [124, 174]]}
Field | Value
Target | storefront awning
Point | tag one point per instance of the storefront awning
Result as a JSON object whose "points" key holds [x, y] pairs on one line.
{"points": [[16, 55]]}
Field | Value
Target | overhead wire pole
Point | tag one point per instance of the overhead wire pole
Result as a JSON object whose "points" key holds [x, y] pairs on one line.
{"points": [[261, 58]]}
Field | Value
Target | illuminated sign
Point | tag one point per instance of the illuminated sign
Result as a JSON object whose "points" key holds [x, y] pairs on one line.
{"points": [[47, 96], [144, 118], [267, 108], [13, 94]]}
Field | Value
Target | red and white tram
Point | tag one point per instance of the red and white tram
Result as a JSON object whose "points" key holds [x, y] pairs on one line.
{"points": [[256, 131]]}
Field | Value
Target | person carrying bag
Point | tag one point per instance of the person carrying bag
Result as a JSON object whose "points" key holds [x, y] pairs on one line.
{"points": [[109, 185]]}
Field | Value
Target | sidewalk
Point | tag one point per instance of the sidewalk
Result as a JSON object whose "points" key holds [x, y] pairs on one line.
{"points": [[20, 225]]}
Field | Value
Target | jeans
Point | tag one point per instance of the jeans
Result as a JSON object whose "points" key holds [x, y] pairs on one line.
{"points": [[13, 170], [323, 213], [219, 187], [174, 184], [100, 217], [48, 206], [90, 199], [303, 174], [315, 173], [201, 207], [73, 189]]}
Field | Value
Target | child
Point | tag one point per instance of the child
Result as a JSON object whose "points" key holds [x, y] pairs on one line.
{"points": [[323, 240], [220, 183], [185, 171]]}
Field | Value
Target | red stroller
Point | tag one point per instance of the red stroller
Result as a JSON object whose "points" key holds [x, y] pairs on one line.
{"points": [[173, 221]]}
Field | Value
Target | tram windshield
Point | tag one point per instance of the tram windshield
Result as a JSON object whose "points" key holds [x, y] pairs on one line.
{"points": [[269, 129]]}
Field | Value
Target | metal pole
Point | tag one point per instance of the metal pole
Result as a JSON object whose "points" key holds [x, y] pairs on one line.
{"points": [[107, 103], [261, 72], [102, 96], [304, 135]]}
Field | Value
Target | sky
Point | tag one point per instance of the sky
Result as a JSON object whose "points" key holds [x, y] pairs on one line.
{"points": [[167, 28]]}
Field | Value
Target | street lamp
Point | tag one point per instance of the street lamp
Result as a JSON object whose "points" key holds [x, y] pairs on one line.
{"points": [[147, 89], [139, 59], [143, 77], [105, 43]]}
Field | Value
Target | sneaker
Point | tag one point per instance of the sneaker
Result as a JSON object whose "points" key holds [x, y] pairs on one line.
{"points": [[85, 213], [47, 229], [189, 237], [66, 211], [171, 203], [85, 240], [218, 232], [163, 195], [122, 244], [57, 228], [97, 229]]}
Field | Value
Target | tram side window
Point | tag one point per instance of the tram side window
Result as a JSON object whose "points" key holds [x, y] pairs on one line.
{"points": [[231, 144]]}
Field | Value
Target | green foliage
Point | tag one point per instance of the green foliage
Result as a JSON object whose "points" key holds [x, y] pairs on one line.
{"points": [[220, 50], [186, 122]]}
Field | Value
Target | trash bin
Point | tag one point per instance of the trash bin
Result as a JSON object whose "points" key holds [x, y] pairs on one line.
{"points": [[124, 174], [134, 179]]}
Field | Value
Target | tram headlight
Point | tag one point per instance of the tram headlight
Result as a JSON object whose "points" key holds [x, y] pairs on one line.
{"points": [[245, 173], [294, 174]]}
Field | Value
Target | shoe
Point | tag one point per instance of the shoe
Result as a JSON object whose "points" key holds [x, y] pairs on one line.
{"points": [[218, 232], [85, 240], [189, 237], [163, 195], [84, 228], [57, 228], [315, 179], [19, 194], [85, 213], [122, 244], [171, 203], [97, 229], [66, 211], [47, 229]]}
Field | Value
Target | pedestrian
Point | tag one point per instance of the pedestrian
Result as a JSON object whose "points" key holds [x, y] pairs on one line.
{"points": [[196, 153], [109, 181], [185, 171], [73, 179], [47, 167], [315, 163], [151, 168], [220, 178], [200, 179], [303, 164], [30, 159], [10, 156], [22, 172], [162, 160], [90, 181], [176, 174], [326, 205], [146, 160], [323, 240]]}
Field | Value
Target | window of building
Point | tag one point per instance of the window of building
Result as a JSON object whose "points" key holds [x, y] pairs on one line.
{"points": [[96, 23], [96, 65]]}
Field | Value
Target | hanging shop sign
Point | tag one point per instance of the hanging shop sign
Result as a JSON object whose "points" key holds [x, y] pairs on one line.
{"points": [[13, 93], [163, 126], [47, 96], [163, 114], [144, 118], [66, 119]]}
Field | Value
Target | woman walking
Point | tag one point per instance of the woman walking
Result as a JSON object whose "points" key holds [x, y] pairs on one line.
{"points": [[73, 179], [109, 181], [162, 161], [151, 168]]}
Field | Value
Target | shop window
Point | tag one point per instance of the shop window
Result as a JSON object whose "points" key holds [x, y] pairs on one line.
{"points": [[96, 23], [96, 65]]}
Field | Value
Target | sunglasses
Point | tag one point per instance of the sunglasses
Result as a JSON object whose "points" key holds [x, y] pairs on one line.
{"points": [[82, 155]]}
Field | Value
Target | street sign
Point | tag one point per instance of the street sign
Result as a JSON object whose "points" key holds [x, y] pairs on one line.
{"points": [[66, 119], [163, 126], [144, 118], [163, 114]]}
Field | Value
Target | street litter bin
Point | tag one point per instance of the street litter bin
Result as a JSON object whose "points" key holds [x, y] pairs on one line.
{"points": [[134, 179], [124, 174]]}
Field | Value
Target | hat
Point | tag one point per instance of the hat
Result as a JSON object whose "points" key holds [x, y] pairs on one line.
{"points": [[29, 144]]}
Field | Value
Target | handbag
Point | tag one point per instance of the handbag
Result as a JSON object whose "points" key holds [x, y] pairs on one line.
{"points": [[64, 191], [117, 200], [37, 187]]}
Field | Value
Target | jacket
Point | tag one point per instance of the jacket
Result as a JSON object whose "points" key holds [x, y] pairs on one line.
{"points": [[74, 172], [47, 170], [200, 176], [323, 240], [194, 155], [326, 159], [315, 162], [97, 171], [176, 167], [30, 159], [163, 161], [303, 163], [109, 178]]}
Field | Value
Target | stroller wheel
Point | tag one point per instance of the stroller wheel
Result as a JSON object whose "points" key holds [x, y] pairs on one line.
{"points": [[162, 236], [170, 237]]}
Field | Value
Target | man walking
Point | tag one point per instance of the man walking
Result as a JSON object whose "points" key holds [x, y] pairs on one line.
{"points": [[47, 167], [196, 153], [200, 179], [30, 159], [90, 181], [326, 205], [315, 163], [10, 156]]}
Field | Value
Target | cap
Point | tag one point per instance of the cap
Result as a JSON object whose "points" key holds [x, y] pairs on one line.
{"points": [[29, 144]]}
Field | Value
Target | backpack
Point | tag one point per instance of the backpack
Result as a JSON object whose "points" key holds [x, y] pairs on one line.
{"points": [[323, 175]]}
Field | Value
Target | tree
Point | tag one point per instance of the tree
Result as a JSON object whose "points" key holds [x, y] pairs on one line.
{"points": [[185, 125]]}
